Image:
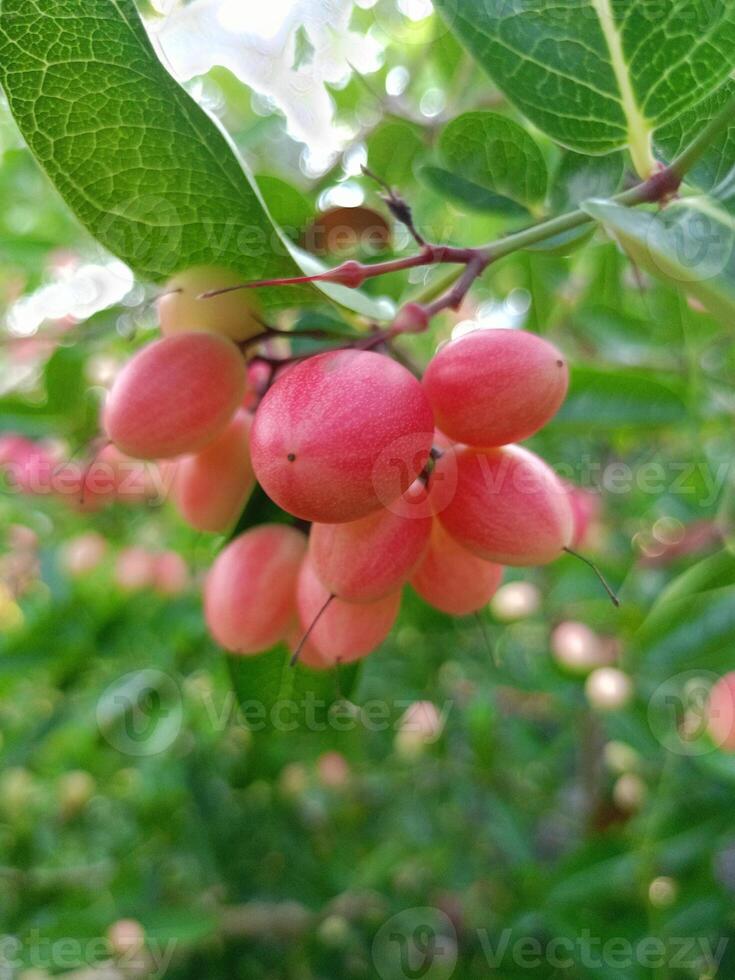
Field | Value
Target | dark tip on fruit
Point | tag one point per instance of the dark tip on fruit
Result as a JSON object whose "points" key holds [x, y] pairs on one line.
{"points": [[291, 457], [560, 363]]}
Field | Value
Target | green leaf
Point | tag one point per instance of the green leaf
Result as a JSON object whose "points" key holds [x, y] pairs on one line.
{"points": [[137, 160], [143, 167], [597, 75], [693, 622], [713, 169], [274, 696], [393, 150], [688, 245], [579, 177], [619, 400], [288, 207], [466, 194], [495, 153]]}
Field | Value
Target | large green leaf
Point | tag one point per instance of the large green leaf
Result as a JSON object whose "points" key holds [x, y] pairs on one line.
{"points": [[495, 153], [143, 167], [579, 177], [712, 171], [393, 150], [470, 196], [597, 75], [618, 400], [690, 244], [692, 625]]}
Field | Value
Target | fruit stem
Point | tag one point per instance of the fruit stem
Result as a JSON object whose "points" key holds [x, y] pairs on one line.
{"points": [[305, 638], [613, 597], [450, 292], [656, 188]]}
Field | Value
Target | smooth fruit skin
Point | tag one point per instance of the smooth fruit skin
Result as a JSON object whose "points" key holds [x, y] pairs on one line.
{"points": [[346, 631], [494, 387], [229, 315], [721, 713], [340, 435], [452, 579], [175, 396], [509, 506], [250, 592], [212, 487], [368, 559]]}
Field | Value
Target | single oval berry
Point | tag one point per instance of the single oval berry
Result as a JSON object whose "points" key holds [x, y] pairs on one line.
{"points": [[509, 507], [182, 308], [250, 592], [454, 580], [495, 387], [211, 487], [368, 559], [341, 435], [345, 631], [175, 396]]}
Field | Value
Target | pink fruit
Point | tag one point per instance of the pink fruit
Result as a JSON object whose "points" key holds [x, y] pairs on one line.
{"points": [[721, 713], [175, 396], [250, 592], [494, 387], [346, 631], [586, 509], [211, 488], [509, 506], [368, 559], [134, 569], [84, 553], [454, 580], [340, 435], [170, 574]]}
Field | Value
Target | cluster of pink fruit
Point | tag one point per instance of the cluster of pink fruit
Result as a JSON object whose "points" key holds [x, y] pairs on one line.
{"points": [[395, 480], [402, 482]]}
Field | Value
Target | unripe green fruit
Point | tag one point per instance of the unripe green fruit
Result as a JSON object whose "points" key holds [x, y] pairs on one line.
{"points": [[232, 315]]}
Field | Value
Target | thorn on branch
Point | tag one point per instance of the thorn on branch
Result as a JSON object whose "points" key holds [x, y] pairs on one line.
{"points": [[398, 207]]}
